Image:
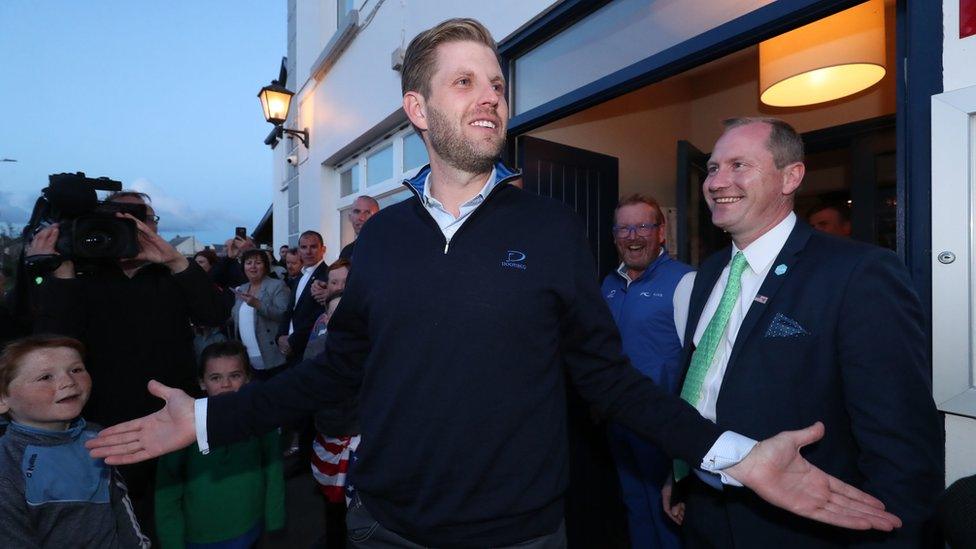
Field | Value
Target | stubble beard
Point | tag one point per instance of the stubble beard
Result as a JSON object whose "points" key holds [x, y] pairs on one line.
{"points": [[460, 153]]}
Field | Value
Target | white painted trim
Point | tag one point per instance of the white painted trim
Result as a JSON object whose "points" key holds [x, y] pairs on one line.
{"points": [[953, 298]]}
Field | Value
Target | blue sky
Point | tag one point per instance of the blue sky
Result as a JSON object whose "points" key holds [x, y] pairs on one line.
{"points": [[159, 95]]}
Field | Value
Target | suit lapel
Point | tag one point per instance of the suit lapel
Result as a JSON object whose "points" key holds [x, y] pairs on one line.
{"points": [[787, 257], [307, 290]]}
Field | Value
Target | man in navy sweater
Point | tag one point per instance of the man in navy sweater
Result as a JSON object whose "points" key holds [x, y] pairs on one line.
{"points": [[458, 355]]}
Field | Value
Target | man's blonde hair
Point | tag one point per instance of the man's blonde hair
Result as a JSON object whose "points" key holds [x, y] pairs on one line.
{"points": [[420, 60]]}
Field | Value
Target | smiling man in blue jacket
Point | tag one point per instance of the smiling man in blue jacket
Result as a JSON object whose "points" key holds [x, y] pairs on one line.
{"points": [[458, 355], [640, 294]]}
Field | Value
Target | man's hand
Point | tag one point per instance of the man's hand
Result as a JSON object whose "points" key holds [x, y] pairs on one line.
{"points": [[776, 471], [167, 430], [320, 292], [154, 249], [283, 345], [43, 244], [674, 512]]}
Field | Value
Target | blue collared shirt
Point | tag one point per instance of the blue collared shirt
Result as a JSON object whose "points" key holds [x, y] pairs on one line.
{"points": [[445, 219]]}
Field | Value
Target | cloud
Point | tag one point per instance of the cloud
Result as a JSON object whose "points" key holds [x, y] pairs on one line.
{"points": [[15, 207], [177, 216]]}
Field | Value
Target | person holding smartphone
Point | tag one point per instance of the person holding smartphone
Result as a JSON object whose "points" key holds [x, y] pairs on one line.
{"points": [[258, 309]]}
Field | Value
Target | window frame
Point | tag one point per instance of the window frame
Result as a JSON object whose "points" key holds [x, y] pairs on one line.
{"points": [[954, 276]]}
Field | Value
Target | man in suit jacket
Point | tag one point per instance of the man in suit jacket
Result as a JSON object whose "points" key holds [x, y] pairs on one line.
{"points": [[460, 370], [821, 329], [302, 309]]}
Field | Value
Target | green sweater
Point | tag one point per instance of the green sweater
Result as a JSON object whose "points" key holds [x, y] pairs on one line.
{"points": [[219, 496]]}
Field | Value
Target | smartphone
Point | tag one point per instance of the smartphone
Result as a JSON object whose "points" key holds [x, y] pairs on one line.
{"points": [[240, 232]]}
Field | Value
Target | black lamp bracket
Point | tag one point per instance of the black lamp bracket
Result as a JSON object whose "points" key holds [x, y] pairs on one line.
{"points": [[279, 131]]}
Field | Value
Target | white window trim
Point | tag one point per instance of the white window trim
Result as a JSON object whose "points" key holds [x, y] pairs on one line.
{"points": [[953, 282], [381, 188]]}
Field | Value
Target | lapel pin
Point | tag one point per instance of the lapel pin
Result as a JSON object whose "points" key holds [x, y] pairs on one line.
{"points": [[780, 269], [761, 299]]}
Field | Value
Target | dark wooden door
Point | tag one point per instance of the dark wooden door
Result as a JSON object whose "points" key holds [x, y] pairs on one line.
{"points": [[697, 237], [585, 180]]}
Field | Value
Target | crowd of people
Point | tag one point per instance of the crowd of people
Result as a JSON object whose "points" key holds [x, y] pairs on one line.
{"points": [[206, 324], [776, 397]]}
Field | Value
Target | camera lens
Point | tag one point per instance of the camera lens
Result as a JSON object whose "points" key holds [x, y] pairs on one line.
{"points": [[97, 242]]}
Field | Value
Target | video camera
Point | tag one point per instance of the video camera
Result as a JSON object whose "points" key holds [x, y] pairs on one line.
{"points": [[88, 228]]}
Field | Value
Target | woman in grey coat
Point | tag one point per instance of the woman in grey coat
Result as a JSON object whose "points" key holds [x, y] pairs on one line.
{"points": [[260, 306]]}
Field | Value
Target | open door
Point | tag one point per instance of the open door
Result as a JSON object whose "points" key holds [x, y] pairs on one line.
{"points": [[697, 237], [585, 180]]}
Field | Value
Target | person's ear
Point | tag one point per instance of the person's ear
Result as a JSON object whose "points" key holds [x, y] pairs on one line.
{"points": [[415, 105], [203, 386], [792, 176]]}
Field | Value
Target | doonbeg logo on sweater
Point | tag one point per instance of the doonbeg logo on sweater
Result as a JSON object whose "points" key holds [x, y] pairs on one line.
{"points": [[514, 260]]}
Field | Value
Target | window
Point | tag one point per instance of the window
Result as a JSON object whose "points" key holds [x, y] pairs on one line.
{"points": [[954, 251], [379, 170], [379, 166], [291, 184], [383, 165], [414, 152], [611, 38], [349, 180]]}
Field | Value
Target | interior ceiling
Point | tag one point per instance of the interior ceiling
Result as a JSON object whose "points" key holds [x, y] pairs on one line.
{"points": [[751, 53]]}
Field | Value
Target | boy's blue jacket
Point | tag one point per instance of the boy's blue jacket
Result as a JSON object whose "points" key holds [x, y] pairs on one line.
{"points": [[53, 494]]}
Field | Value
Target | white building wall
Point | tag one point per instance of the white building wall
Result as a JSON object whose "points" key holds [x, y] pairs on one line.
{"points": [[958, 72], [361, 89]]}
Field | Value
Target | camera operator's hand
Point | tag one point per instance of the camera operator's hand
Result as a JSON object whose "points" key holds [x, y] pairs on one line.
{"points": [[43, 244], [154, 249], [320, 292]]}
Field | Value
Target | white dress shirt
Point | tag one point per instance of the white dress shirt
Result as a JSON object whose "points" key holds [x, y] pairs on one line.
{"points": [[760, 256], [445, 219], [731, 447]]}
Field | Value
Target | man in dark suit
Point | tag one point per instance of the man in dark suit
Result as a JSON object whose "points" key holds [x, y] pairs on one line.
{"points": [[302, 308], [459, 369], [790, 326]]}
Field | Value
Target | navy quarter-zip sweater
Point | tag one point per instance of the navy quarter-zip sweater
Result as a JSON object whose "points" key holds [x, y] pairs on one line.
{"points": [[457, 354]]}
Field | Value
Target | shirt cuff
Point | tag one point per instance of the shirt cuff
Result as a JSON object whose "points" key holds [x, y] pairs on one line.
{"points": [[200, 422], [728, 450]]}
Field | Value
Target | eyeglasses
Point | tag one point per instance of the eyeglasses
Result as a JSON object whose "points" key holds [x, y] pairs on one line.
{"points": [[644, 229], [153, 218]]}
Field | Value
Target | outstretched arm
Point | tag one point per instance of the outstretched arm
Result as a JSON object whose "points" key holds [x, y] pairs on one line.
{"points": [[151, 436], [776, 471]]}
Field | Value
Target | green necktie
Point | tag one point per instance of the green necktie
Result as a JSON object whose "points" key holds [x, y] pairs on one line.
{"points": [[701, 359]]}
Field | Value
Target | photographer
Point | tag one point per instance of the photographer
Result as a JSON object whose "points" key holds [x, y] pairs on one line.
{"points": [[133, 315]]}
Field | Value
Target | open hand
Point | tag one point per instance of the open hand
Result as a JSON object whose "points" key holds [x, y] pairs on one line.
{"points": [[776, 471], [151, 436]]}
